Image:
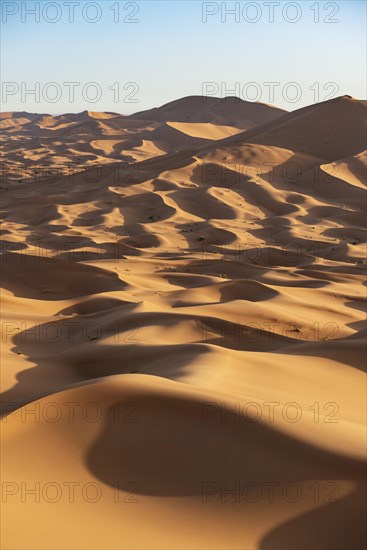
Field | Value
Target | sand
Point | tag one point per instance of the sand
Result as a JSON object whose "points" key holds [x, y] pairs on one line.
{"points": [[183, 317]]}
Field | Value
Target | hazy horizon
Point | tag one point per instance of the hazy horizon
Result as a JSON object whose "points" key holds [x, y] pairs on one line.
{"points": [[122, 56], [149, 108]]}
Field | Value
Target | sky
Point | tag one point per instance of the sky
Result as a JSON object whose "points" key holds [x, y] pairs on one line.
{"points": [[121, 56]]}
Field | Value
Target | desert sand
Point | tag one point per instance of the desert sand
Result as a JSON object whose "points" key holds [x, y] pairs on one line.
{"points": [[183, 318]]}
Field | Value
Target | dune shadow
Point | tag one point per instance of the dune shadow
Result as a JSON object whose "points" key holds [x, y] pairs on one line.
{"points": [[337, 526], [45, 278], [170, 450]]}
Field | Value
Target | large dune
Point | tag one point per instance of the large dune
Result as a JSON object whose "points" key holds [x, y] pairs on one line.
{"points": [[230, 110], [183, 315]]}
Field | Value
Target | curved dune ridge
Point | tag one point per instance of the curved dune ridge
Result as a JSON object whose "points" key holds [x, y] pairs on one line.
{"points": [[183, 316]]}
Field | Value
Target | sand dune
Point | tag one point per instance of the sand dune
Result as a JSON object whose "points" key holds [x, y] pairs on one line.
{"points": [[329, 130], [231, 111], [183, 316]]}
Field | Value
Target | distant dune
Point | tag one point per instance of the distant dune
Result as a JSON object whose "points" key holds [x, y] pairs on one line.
{"points": [[183, 301], [328, 130], [231, 111]]}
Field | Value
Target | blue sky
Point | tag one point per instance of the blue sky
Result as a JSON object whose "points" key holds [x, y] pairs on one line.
{"points": [[137, 55]]}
